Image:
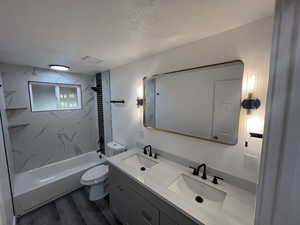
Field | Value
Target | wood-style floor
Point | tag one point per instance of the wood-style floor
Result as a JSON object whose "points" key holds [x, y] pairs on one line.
{"points": [[72, 209]]}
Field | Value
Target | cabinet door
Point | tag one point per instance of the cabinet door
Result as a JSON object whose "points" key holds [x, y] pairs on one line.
{"points": [[144, 213], [165, 220], [131, 208], [119, 203]]}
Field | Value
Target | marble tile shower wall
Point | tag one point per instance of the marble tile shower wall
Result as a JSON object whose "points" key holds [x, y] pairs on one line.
{"points": [[49, 136]]}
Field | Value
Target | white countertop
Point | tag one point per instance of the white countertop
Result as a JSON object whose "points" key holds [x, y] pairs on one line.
{"points": [[238, 207]]}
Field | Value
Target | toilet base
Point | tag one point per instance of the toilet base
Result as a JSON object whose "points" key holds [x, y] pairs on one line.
{"points": [[98, 191]]}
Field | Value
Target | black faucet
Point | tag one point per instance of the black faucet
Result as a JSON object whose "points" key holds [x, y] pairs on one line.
{"points": [[150, 150], [196, 171]]}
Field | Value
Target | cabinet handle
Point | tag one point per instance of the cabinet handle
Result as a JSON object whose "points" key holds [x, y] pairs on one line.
{"points": [[146, 216]]}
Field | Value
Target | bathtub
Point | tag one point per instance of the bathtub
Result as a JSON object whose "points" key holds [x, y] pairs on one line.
{"points": [[39, 186]]}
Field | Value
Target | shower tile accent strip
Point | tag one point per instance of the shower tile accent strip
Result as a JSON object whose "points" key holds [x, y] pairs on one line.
{"points": [[106, 107], [100, 111]]}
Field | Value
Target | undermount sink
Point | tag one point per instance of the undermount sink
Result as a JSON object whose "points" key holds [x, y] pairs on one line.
{"points": [[139, 161], [197, 191]]}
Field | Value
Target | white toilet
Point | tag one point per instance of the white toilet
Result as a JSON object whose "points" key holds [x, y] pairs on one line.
{"points": [[96, 177]]}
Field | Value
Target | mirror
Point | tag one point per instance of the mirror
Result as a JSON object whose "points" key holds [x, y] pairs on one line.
{"points": [[202, 102]]}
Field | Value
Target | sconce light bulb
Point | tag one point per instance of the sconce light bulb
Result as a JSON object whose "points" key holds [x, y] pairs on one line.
{"points": [[140, 93], [251, 83]]}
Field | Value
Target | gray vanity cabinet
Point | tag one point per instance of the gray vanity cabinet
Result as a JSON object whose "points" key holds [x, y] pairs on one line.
{"points": [[165, 220], [118, 198], [133, 204], [143, 212], [131, 208]]}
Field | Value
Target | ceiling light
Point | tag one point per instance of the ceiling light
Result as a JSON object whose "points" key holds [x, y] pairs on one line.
{"points": [[59, 67]]}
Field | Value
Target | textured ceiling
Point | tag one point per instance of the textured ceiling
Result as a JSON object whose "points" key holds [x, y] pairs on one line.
{"points": [[43, 32]]}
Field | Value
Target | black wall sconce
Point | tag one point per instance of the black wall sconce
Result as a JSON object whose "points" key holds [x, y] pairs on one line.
{"points": [[251, 103], [140, 96], [139, 102]]}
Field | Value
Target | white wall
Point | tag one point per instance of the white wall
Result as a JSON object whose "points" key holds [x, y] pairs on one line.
{"points": [[6, 208], [7, 140], [250, 43], [6, 212]]}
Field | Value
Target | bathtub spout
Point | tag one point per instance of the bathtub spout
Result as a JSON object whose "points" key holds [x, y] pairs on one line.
{"points": [[99, 153]]}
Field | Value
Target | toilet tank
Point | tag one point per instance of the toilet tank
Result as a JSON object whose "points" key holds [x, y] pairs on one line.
{"points": [[115, 148]]}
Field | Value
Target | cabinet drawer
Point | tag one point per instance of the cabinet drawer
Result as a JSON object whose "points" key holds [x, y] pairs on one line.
{"points": [[144, 212]]}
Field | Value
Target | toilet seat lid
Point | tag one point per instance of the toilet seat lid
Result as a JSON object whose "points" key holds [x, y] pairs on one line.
{"points": [[96, 173]]}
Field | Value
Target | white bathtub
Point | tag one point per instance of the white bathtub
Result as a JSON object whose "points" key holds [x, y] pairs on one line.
{"points": [[39, 186]]}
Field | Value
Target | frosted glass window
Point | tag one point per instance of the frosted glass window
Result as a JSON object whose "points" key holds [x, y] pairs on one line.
{"points": [[48, 96], [68, 97]]}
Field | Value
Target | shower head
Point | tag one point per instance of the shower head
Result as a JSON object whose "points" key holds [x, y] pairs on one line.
{"points": [[96, 89]]}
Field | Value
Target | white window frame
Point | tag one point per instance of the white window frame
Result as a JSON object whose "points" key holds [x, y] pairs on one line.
{"points": [[57, 95]]}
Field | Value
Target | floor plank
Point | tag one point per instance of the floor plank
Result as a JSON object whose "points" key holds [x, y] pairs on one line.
{"points": [[103, 205], [88, 210], [68, 212], [25, 220], [72, 209], [110, 217], [46, 215]]}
